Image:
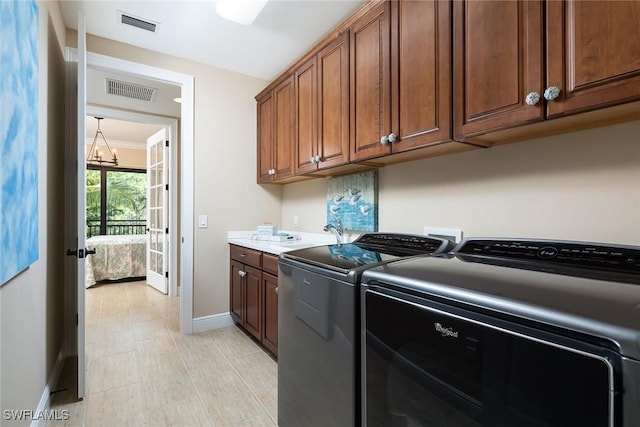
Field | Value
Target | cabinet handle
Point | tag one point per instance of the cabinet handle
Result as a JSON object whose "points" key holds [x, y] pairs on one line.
{"points": [[551, 93], [387, 139], [532, 98]]}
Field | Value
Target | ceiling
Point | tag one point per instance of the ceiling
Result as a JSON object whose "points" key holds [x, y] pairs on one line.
{"points": [[284, 30], [121, 133]]}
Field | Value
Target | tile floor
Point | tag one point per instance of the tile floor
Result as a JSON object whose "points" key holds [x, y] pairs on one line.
{"points": [[142, 372]]}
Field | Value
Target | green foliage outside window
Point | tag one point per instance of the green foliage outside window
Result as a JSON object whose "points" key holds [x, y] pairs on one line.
{"points": [[126, 196]]}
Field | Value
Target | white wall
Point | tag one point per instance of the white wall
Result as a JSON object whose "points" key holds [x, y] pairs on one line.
{"points": [[31, 304], [583, 186]]}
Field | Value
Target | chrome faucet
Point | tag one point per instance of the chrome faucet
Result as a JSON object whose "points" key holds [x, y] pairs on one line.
{"points": [[336, 229]]}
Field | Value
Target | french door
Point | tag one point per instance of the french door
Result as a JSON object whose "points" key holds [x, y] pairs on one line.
{"points": [[157, 204]]}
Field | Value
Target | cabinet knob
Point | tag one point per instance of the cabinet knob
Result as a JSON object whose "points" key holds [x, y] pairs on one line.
{"points": [[317, 158], [532, 98], [392, 137], [551, 93], [277, 288], [241, 273], [312, 160]]}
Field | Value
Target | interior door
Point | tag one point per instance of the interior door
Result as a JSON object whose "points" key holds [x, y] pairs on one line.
{"points": [[81, 171], [157, 198]]}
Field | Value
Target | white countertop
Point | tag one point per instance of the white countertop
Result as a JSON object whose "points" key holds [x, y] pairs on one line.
{"points": [[248, 239]]}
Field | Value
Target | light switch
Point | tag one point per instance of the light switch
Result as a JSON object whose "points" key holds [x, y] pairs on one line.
{"points": [[203, 221]]}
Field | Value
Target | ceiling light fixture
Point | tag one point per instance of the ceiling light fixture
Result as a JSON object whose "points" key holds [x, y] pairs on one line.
{"points": [[241, 11], [95, 155]]}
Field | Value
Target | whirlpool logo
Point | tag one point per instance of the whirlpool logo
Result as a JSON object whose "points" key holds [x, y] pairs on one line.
{"points": [[446, 332]]}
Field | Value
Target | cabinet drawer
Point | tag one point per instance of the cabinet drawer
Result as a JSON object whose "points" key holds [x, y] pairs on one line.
{"points": [[270, 263], [246, 256]]}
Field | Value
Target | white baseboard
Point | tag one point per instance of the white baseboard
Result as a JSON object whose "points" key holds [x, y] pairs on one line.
{"points": [[43, 405], [214, 321]]}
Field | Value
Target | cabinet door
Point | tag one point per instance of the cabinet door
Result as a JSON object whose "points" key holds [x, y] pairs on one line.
{"points": [[236, 299], [253, 301], [265, 138], [333, 103], [284, 129], [497, 62], [421, 72], [306, 86], [593, 54], [370, 83], [270, 324]]}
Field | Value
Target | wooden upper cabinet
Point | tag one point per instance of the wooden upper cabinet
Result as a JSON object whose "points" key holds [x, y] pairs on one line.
{"points": [[421, 73], [284, 128], [370, 80], [322, 102], [593, 54], [265, 138], [306, 85], [401, 78], [333, 103], [498, 60], [276, 132]]}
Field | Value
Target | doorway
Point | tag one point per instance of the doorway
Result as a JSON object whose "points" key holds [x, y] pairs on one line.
{"points": [[162, 249], [184, 168]]}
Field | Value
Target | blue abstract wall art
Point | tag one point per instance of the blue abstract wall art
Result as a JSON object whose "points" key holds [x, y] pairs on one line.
{"points": [[19, 25], [353, 199]]}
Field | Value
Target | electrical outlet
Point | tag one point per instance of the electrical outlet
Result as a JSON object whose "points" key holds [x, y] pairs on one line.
{"points": [[453, 234], [295, 221]]}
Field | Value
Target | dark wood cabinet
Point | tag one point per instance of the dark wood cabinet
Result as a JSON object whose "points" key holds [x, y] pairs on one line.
{"points": [[523, 71], [421, 73], [246, 289], [276, 132], [322, 97], [498, 60], [253, 301], [401, 79], [593, 54], [370, 66], [270, 312]]}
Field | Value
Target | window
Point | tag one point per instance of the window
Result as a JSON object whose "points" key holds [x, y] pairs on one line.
{"points": [[116, 201]]}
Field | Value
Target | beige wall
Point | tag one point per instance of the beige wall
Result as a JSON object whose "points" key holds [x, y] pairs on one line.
{"points": [[582, 186], [31, 304], [224, 165]]}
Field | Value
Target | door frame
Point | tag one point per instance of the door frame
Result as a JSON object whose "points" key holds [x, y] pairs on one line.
{"points": [[185, 169], [174, 170]]}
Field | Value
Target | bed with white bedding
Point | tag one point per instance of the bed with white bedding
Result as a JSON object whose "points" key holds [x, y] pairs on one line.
{"points": [[116, 258]]}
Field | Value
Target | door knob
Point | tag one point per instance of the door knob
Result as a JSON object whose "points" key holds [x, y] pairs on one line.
{"points": [[90, 251]]}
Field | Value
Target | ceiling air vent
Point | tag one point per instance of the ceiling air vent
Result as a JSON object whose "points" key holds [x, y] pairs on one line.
{"points": [[130, 90], [128, 19]]}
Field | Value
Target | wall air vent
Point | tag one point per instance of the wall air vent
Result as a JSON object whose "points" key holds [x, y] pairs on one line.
{"points": [[130, 90], [134, 21]]}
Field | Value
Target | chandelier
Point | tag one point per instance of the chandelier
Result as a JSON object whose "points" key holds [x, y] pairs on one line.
{"points": [[95, 155]]}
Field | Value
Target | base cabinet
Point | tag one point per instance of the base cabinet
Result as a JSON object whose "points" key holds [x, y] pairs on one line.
{"points": [[253, 294]]}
